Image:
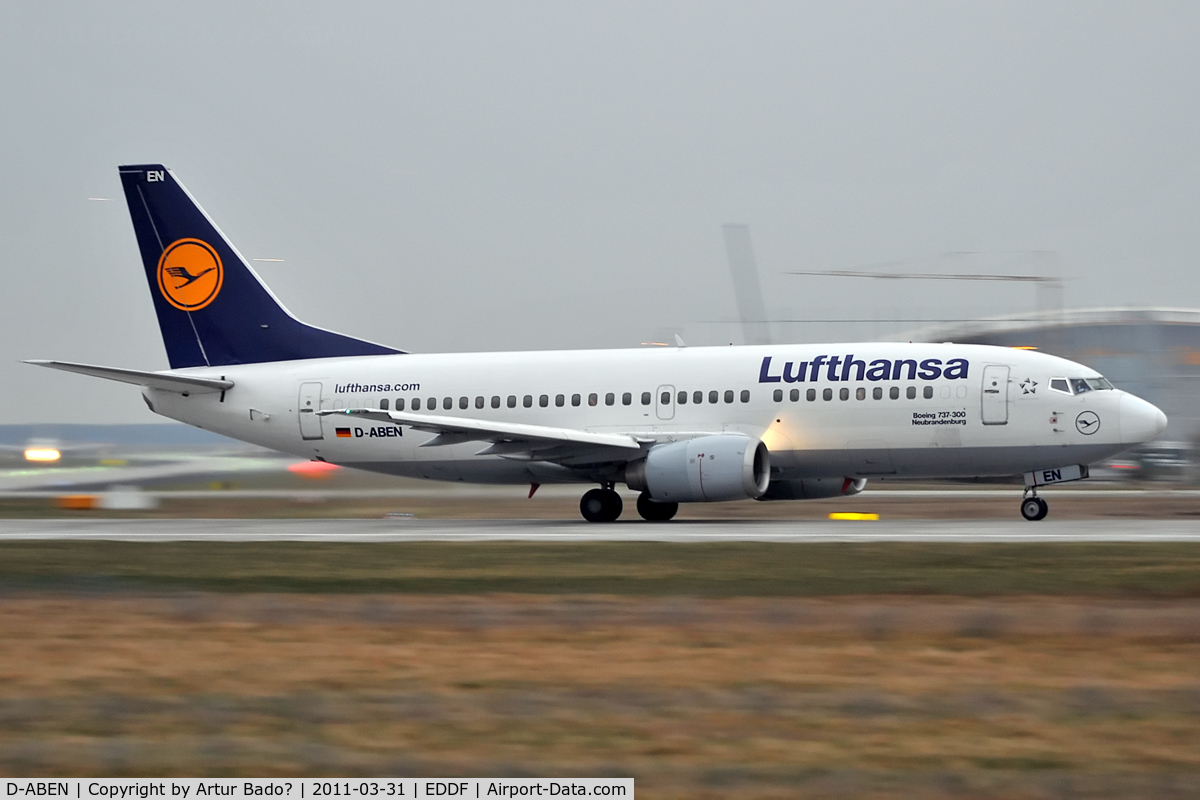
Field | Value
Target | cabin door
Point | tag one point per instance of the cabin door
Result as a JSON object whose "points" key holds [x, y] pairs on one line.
{"points": [[309, 404], [995, 395]]}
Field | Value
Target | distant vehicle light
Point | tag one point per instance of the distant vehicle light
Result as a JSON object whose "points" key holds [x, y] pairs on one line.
{"points": [[313, 469], [42, 454]]}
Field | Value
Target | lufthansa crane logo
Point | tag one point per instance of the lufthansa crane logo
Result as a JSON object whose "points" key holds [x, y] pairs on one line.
{"points": [[190, 274], [1087, 423]]}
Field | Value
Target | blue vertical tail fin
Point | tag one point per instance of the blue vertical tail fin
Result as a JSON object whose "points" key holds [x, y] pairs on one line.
{"points": [[213, 309]]}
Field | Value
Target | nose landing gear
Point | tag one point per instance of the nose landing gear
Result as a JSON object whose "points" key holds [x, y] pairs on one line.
{"points": [[1033, 508], [601, 505]]}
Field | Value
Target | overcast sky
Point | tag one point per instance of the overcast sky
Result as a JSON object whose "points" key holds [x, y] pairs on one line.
{"points": [[479, 176]]}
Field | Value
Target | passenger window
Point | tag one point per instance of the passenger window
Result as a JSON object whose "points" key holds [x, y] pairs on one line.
{"points": [[911, 392], [646, 397], [1060, 385], [463, 402], [777, 396], [527, 401], [626, 399], [593, 399], [416, 404], [495, 401], [559, 400], [431, 404], [877, 393], [512, 401], [844, 393], [448, 403], [383, 404], [795, 395], [609, 399], [928, 392], [681, 398], [745, 396], [479, 401], [712, 397], [729, 395], [399, 403], [860, 393], [697, 397], [827, 394], [544, 400], [665, 399], [811, 395], [575, 399], [894, 392]]}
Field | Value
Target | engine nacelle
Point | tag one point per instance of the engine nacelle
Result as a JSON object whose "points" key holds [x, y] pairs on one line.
{"points": [[814, 488], [726, 466]]}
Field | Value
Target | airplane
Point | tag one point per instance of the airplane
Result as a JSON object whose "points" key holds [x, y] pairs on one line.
{"points": [[676, 424]]}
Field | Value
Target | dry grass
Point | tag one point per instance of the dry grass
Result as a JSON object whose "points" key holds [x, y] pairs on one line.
{"points": [[740, 697]]}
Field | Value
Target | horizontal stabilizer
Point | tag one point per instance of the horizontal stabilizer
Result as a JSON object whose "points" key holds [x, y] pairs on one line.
{"points": [[184, 384], [489, 430]]}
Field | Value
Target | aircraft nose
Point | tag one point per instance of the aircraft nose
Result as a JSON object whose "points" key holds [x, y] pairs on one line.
{"points": [[1139, 421]]}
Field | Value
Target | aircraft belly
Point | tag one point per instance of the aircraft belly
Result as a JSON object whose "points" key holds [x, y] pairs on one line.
{"points": [[938, 462]]}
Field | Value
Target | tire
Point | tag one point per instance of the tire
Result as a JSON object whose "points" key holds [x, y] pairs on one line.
{"points": [[655, 512], [600, 505], [1045, 509], [1033, 508]]}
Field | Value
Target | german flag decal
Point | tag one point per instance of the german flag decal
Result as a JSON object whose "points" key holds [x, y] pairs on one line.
{"points": [[343, 433]]}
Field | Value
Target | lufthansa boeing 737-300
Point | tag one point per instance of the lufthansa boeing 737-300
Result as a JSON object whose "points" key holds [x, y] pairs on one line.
{"points": [[678, 425]]}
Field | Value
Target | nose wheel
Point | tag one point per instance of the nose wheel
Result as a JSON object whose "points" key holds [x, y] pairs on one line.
{"points": [[1034, 508], [600, 505]]}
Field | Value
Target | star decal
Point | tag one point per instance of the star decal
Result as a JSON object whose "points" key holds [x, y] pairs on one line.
{"points": [[1028, 386]]}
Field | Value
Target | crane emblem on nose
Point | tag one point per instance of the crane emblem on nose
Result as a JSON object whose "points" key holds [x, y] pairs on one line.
{"points": [[1087, 423]]}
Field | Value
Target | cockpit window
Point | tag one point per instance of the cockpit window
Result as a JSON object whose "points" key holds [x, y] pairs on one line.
{"points": [[1079, 385]]}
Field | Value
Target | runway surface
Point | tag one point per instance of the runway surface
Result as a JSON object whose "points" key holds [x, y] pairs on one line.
{"points": [[414, 530]]}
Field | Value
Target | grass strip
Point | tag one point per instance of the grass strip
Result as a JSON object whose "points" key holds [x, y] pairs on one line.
{"points": [[1151, 570]]}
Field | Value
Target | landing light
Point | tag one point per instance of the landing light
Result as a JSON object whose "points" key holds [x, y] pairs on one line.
{"points": [[855, 516], [1023, 347], [42, 454]]}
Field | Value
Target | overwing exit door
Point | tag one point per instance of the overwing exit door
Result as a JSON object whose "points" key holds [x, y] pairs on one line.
{"points": [[664, 402], [308, 404]]}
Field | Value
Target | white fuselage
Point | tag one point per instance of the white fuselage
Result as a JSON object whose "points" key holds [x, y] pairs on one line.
{"points": [[905, 410]]}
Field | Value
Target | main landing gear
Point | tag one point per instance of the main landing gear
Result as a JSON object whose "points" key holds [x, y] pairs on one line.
{"points": [[655, 512], [1033, 508], [605, 505], [601, 505]]}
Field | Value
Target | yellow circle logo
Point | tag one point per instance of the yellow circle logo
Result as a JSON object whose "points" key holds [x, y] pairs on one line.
{"points": [[190, 274]]}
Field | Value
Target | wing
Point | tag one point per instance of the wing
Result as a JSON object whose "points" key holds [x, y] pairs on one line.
{"points": [[510, 439]]}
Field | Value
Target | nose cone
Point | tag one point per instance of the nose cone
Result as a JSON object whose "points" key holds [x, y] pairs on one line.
{"points": [[1139, 421]]}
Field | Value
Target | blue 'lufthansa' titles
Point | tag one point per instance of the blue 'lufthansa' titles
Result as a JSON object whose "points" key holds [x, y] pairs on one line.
{"points": [[839, 368]]}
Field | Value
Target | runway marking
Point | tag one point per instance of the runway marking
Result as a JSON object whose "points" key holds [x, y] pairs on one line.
{"points": [[393, 530]]}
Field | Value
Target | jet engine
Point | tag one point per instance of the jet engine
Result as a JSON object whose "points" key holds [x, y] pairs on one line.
{"points": [[706, 469], [813, 488]]}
